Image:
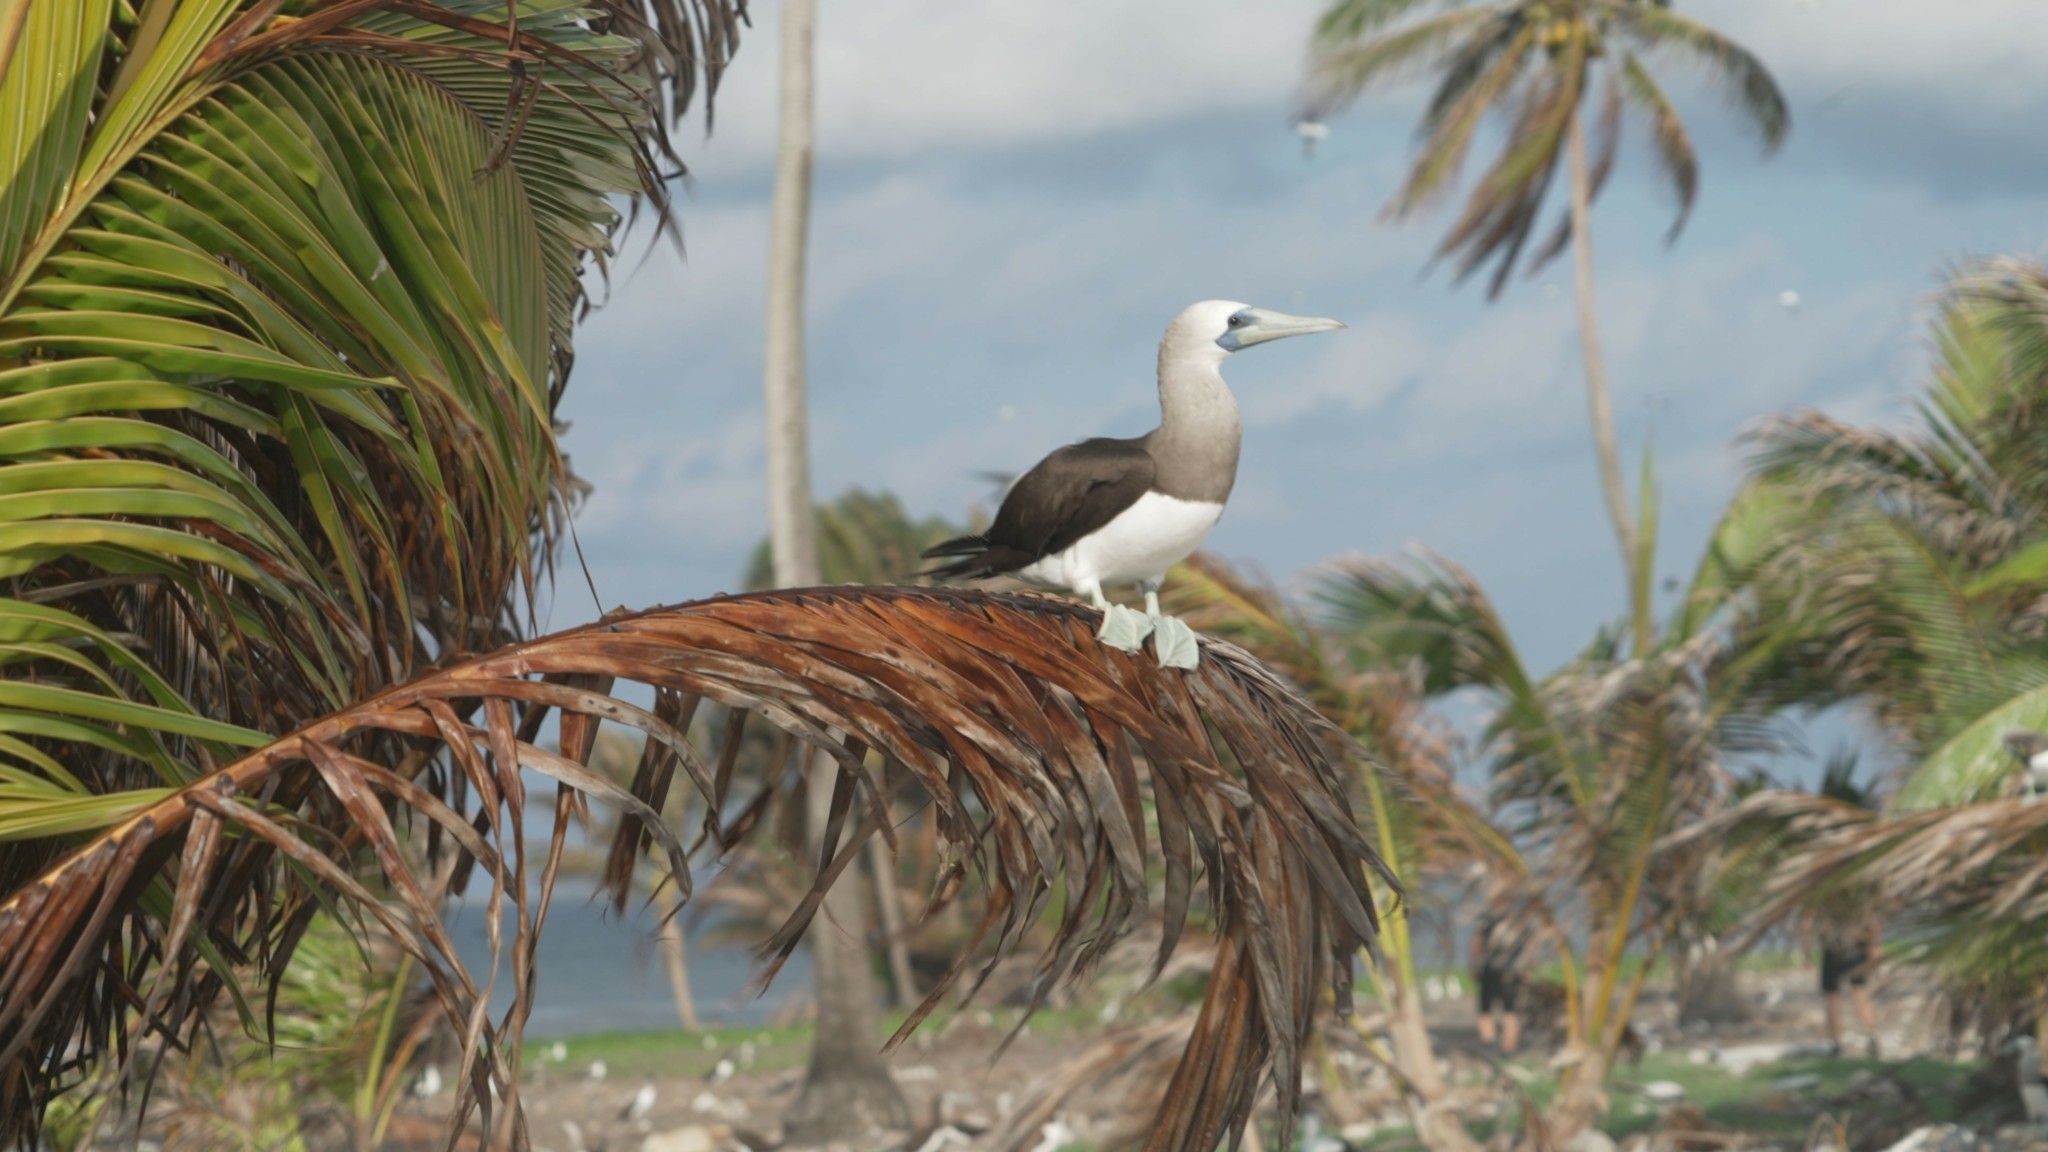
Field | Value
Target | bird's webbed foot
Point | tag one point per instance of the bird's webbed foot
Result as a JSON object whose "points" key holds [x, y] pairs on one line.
{"points": [[1174, 642], [1123, 628]]}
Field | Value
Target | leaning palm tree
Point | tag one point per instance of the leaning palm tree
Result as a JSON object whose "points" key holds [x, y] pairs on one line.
{"points": [[1544, 67], [1593, 766]]}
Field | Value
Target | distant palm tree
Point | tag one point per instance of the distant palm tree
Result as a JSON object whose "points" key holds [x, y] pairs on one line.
{"points": [[847, 1090], [1592, 766], [862, 538], [1543, 66], [1905, 571], [1906, 567]]}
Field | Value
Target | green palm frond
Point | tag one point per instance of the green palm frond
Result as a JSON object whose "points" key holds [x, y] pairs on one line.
{"points": [[1452, 128], [1973, 765], [286, 296], [1430, 615], [863, 538], [1668, 137], [1725, 62], [1351, 19], [1341, 74], [1533, 64]]}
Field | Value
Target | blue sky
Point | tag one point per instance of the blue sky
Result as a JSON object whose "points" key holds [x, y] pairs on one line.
{"points": [[1015, 197]]}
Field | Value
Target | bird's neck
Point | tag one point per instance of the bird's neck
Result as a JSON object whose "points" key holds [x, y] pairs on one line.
{"points": [[1196, 444]]}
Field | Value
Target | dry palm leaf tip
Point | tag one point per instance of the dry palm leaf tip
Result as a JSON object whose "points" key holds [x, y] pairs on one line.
{"points": [[1040, 750]]}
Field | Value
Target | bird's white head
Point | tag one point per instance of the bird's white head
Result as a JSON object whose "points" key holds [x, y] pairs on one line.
{"points": [[1213, 329]]}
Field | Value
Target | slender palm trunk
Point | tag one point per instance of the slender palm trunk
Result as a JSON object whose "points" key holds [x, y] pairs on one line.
{"points": [[1414, 1054], [1597, 396], [889, 917], [1440, 1129], [792, 521], [675, 958], [847, 1091]]}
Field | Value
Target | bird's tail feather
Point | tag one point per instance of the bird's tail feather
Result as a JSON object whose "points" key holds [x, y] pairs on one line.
{"points": [[968, 554], [957, 546], [974, 558]]}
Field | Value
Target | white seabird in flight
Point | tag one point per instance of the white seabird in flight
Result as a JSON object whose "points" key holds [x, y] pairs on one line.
{"points": [[1106, 512]]}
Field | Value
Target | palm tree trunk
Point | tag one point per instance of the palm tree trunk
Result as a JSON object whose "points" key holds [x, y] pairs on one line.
{"points": [[889, 917], [1440, 1129], [1597, 396], [675, 958], [792, 521], [847, 1091]]}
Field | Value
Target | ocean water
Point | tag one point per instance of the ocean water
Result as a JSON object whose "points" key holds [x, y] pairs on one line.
{"points": [[599, 971]]}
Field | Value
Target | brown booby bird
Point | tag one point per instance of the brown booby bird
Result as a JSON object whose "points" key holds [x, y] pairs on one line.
{"points": [[1106, 512]]}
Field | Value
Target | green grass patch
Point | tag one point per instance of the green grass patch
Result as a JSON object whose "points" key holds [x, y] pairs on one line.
{"points": [[1750, 1103], [682, 1053]]}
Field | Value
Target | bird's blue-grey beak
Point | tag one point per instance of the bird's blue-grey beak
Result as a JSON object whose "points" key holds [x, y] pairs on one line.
{"points": [[1261, 325]]}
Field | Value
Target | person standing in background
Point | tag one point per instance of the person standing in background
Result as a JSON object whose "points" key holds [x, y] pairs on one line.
{"points": [[1847, 955], [1497, 967]]}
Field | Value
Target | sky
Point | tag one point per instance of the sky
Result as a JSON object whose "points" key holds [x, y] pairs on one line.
{"points": [[1014, 198]]}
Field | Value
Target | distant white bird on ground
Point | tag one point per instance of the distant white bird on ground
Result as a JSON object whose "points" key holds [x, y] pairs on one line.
{"points": [[2027, 1071], [429, 1083], [2031, 750], [943, 1137], [721, 1072], [640, 1105], [597, 1070], [1054, 1136], [746, 1053], [558, 1052], [1664, 1091]]}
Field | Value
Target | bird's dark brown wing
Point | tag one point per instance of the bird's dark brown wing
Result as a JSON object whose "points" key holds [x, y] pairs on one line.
{"points": [[1071, 493]]}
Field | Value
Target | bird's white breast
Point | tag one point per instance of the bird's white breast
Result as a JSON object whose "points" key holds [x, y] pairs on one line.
{"points": [[1153, 534]]}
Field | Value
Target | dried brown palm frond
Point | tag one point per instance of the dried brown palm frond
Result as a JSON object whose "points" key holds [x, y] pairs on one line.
{"points": [[1381, 704], [1036, 746], [1987, 861], [1964, 889], [1130, 1061]]}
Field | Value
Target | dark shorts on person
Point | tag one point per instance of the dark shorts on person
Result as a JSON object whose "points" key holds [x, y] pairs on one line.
{"points": [[1499, 988], [1850, 964]]}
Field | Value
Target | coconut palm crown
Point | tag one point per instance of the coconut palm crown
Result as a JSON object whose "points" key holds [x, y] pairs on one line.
{"points": [[1540, 65]]}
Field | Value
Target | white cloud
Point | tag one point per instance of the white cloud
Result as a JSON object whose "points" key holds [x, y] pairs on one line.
{"points": [[898, 77], [1972, 56], [661, 490]]}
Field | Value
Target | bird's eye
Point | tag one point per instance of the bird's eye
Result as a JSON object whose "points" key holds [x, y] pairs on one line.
{"points": [[1237, 321]]}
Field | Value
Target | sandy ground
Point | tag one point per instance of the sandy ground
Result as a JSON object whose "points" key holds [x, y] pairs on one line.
{"points": [[727, 1097]]}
